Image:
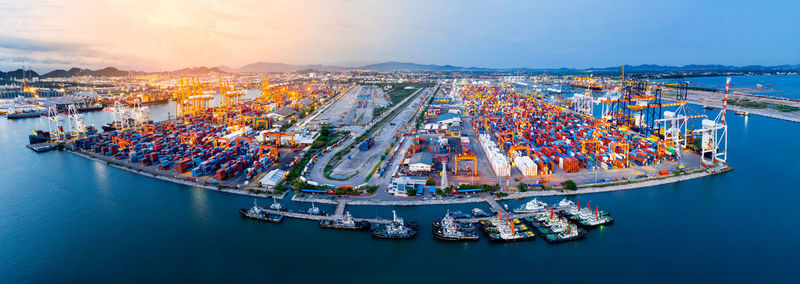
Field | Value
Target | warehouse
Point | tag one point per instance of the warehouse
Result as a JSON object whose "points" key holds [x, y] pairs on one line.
{"points": [[420, 162]]}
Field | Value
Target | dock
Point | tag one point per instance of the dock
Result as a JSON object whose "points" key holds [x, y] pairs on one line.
{"points": [[340, 206], [43, 147]]}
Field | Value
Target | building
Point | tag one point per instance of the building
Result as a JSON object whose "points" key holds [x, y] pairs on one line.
{"points": [[273, 178], [450, 119], [420, 162], [400, 185], [282, 114]]}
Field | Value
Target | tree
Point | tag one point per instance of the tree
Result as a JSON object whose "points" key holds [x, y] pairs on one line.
{"points": [[570, 184], [430, 181], [411, 192], [522, 187]]}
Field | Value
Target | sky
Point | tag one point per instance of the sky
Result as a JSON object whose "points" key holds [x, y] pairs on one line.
{"points": [[155, 35]]}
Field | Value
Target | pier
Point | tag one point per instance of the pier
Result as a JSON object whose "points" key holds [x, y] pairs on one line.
{"points": [[340, 207]]}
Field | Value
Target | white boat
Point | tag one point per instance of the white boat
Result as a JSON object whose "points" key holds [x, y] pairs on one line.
{"points": [[276, 206], [532, 206]]}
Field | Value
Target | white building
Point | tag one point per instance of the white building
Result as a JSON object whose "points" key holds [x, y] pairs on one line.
{"points": [[420, 162], [273, 178], [400, 185]]}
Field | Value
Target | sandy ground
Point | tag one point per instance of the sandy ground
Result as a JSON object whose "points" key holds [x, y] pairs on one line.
{"points": [[715, 100]]}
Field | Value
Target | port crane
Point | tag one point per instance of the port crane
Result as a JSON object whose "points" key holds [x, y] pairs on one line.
{"points": [[714, 135], [228, 93]]}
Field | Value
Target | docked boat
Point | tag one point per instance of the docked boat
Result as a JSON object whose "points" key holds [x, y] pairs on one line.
{"points": [[586, 218], [460, 215], [532, 206], [259, 213], [276, 206], [39, 136], [344, 223], [25, 114], [314, 210], [479, 213], [742, 113], [571, 233], [396, 229], [510, 230], [449, 229]]}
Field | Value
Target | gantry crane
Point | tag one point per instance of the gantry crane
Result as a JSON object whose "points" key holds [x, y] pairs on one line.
{"points": [[714, 135], [228, 93]]}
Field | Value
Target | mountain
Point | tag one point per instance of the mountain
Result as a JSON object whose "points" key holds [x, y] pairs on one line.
{"points": [[18, 74], [394, 66], [196, 70], [226, 68], [267, 67], [105, 72]]}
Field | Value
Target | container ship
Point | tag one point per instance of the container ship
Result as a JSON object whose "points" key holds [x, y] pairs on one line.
{"points": [[344, 223]]}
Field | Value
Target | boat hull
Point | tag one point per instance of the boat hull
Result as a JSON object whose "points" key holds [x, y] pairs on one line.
{"points": [[267, 218]]}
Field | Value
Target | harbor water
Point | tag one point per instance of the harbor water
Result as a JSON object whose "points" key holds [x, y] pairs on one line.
{"points": [[785, 86], [64, 218]]}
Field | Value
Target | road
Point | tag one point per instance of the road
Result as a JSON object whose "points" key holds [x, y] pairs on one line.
{"points": [[362, 163]]}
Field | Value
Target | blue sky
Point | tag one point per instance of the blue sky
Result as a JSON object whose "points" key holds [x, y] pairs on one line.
{"points": [[162, 35]]}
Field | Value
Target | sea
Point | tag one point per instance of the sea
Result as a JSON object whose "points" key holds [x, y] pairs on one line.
{"points": [[785, 86], [64, 218]]}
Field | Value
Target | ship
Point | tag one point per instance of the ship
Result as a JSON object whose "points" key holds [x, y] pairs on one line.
{"points": [[531, 207], [396, 229], [557, 229], [585, 218], [259, 213], [479, 213], [25, 114], [39, 136], [314, 210], [448, 229], [510, 230], [461, 215], [276, 206], [345, 223]]}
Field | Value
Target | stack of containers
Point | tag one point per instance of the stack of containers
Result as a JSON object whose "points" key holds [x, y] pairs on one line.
{"points": [[525, 165], [497, 159]]}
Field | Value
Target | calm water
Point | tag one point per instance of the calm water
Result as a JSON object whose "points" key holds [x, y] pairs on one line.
{"points": [[787, 86], [67, 219]]}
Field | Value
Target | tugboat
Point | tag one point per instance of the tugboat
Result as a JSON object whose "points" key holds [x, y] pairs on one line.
{"points": [[479, 213], [258, 213], [448, 229], [345, 223], [585, 218], [557, 229], [397, 229], [276, 206], [461, 215], [531, 207], [314, 210], [510, 230]]}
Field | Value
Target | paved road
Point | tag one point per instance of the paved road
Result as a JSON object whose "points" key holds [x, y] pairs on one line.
{"points": [[368, 159]]}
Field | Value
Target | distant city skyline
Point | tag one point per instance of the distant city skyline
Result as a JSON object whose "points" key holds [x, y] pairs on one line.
{"points": [[154, 35]]}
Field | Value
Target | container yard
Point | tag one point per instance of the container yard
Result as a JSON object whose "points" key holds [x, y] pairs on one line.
{"points": [[462, 136]]}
